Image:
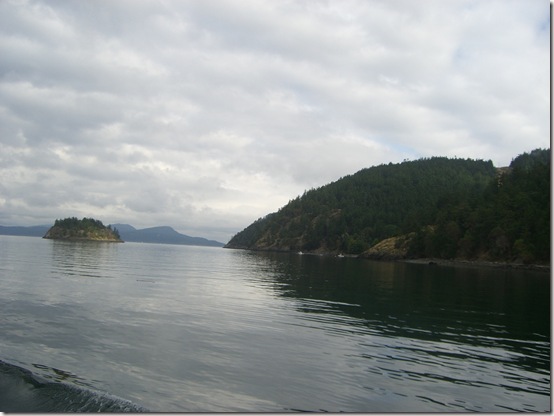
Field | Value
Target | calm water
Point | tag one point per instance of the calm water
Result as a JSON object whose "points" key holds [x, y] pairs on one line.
{"points": [[99, 326]]}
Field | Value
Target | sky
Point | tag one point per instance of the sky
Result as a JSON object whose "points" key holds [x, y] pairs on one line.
{"points": [[206, 115]]}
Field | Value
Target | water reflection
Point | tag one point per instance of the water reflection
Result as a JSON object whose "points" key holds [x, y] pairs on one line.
{"points": [[466, 327], [83, 258], [201, 329], [446, 301]]}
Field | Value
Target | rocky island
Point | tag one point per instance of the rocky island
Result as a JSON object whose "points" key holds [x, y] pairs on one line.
{"points": [[87, 229]]}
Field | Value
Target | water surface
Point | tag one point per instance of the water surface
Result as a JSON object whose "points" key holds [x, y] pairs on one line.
{"points": [[192, 329]]}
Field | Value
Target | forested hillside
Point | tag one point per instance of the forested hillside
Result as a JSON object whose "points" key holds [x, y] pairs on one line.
{"points": [[445, 208]]}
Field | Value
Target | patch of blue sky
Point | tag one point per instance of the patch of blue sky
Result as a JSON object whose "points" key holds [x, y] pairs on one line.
{"points": [[544, 25], [405, 151]]}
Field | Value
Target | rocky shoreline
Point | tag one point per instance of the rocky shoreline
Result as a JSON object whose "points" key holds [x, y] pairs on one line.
{"points": [[478, 264], [99, 240], [398, 257]]}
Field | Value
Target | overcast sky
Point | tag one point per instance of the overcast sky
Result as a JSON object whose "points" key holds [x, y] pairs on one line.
{"points": [[205, 115]]}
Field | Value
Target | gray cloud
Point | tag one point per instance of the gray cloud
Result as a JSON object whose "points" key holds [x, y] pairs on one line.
{"points": [[206, 115]]}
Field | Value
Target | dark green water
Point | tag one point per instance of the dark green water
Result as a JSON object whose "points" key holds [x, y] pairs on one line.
{"points": [[174, 328]]}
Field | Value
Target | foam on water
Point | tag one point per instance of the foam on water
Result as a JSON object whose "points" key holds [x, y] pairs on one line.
{"points": [[21, 390]]}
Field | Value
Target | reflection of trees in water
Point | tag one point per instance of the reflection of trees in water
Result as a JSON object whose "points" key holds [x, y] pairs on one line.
{"points": [[487, 307], [82, 258]]}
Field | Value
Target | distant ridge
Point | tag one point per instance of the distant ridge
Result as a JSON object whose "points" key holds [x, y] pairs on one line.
{"points": [[161, 235], [33, 231], [158, 235]]}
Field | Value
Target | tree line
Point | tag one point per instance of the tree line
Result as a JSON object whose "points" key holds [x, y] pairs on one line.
{"points": [[89, 226]]}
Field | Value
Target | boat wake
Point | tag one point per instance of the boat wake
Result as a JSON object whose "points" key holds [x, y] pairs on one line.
{"points": [[21, 390]]}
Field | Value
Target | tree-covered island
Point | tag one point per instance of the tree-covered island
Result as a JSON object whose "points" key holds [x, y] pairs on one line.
{"points": [[87, 229]]}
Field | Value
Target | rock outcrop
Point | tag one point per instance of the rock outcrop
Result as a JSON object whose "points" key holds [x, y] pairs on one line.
{"points": [[394, 248]]}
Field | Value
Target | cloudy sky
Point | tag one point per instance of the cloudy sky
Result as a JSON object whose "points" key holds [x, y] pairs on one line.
{"points": [[208, 114]]}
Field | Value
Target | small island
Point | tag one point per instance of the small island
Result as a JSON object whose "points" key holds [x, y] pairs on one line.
{"points": [[87, 229]]}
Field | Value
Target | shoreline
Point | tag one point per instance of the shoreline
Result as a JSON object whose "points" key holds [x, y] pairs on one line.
{"points": [[97, 240], [478, 264], [425, 261]]}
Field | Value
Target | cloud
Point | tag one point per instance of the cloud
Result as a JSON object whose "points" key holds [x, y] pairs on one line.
{"points": [[205, 115]]}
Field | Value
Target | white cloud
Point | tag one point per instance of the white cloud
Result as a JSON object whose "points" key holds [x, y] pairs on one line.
{"points": [[205, 115]]}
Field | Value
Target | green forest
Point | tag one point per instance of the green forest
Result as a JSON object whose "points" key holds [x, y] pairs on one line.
{"points": [[87, 228], [444, 208]]}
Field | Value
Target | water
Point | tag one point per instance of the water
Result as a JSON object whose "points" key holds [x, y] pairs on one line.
{"points": [[131, 327]]}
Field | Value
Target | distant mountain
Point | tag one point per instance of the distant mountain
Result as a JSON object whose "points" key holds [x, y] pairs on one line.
{"points": [[161, 235], [124, 228], [34, 231]]}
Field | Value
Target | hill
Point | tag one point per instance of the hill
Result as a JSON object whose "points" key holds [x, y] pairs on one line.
{"points": [[161, 235], [32, 231], [433, 207], [86, 229]]}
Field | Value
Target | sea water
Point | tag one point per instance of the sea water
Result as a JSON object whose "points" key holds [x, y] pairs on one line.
{"points": [[88, 326]]}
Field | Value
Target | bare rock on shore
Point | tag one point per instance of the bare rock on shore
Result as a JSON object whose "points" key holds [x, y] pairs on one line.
{"points": [[393, 248]]}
